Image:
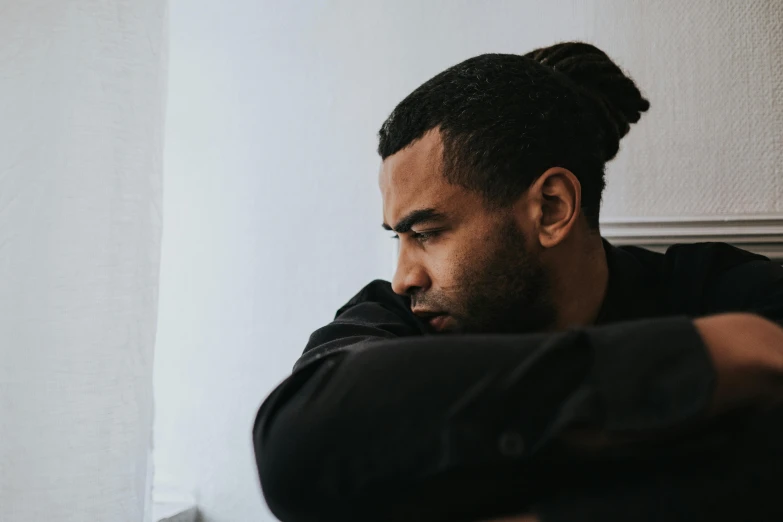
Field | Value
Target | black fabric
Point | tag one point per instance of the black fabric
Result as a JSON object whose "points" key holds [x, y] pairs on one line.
{"points": [[382, 421]]}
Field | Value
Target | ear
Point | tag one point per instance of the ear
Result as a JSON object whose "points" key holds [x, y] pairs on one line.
{"points": [[552, 206]]}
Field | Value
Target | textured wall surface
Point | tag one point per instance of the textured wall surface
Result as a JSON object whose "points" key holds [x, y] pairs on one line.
{"points": [[272, 209], [712, 143], [81, 113]]}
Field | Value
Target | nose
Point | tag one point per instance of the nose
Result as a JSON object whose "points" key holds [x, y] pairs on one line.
{"points": [[410, 276]]}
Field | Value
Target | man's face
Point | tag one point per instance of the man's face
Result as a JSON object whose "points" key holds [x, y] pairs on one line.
{"points": [[467, 265]]}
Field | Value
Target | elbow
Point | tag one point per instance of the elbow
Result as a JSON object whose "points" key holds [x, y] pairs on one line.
{"points": [[287, 471], [291, 456], [279, 484]]}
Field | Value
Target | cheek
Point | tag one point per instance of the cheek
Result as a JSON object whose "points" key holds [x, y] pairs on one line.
{"points": [[439, 271], [453, 267]]}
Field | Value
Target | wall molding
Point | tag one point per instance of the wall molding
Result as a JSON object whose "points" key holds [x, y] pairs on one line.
{"points": [[762, 234]]}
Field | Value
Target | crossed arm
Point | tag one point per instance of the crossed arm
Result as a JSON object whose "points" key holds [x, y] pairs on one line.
{"points": [[377, 417], [330, 437]]}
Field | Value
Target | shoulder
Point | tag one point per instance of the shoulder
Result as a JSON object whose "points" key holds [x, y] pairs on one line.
{"points": [[712, 256], [698, 279], [378, 292], [374, 313], [376, 304], [725, 277]]}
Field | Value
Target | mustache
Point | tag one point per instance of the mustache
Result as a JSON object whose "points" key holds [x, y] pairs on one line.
{"points": [[429, 301], [439, 299]]}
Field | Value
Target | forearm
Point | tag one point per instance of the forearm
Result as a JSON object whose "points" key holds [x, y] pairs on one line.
{"points": [[410, 411], [413, 411]]}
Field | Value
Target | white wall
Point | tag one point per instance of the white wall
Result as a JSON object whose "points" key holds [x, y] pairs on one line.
{"points": [[712, 143], [81, 136], [272, 212]]}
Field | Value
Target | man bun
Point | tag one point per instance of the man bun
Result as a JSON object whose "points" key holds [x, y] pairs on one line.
{"points": [[618, 101]]}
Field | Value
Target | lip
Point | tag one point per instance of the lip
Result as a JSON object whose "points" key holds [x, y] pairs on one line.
{"points": [[436, 319], [438, 322]]}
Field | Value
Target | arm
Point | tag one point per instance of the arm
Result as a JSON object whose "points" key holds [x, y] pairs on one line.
{"points": [[747, 353], [448, 424], [734, 470]]}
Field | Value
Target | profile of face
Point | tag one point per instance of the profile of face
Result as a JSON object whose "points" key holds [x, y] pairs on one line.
{"points": [[467, 267]]}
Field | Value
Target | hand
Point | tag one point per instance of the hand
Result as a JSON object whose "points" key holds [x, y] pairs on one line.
{"points": [[747, 351]]}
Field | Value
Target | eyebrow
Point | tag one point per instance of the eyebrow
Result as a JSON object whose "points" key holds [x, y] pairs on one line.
{"points": [[414, 218]]}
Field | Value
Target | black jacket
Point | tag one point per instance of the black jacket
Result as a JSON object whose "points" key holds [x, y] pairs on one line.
{"points": [[382, 421]]}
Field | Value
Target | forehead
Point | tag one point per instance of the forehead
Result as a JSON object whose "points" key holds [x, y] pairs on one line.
{"points": [[412, 179]]}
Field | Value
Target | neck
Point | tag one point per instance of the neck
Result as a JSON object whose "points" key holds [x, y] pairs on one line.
{"points": [[580, 280]]}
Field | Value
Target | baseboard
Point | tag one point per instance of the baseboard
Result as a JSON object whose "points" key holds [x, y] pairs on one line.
{"points": [[762, 234]]}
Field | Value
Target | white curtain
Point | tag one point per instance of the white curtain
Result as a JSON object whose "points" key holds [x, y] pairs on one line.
{"points": [[82, 92]]}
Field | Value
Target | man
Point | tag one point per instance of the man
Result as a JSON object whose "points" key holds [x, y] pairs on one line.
{"points": [[518, 364]]}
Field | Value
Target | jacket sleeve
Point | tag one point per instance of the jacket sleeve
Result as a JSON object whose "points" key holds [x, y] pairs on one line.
{"points": [[379, 418]]}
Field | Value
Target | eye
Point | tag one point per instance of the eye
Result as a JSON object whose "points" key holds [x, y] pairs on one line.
{"points": [[423, 237], [420, 237]]}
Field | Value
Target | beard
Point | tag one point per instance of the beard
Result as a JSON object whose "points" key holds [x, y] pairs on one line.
{"points": [[505, 290]]}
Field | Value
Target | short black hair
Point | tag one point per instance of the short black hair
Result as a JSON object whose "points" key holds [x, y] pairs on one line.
{"points": [[505, 119]]}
